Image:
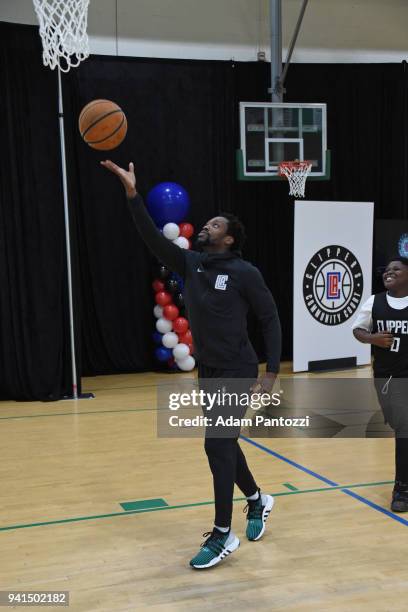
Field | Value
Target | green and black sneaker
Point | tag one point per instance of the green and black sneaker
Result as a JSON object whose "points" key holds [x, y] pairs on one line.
{"points": [[216, 547], [257, 512]]}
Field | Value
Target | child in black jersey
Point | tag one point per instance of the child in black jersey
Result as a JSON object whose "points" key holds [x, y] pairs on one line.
{"points": [[383, 322]]}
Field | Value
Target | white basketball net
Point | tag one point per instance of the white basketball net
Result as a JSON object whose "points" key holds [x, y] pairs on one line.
{"points": [[296, 173], [63, 26]]}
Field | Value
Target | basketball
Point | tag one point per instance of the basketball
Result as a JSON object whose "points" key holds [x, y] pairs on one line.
{"points": [[102, 125]]}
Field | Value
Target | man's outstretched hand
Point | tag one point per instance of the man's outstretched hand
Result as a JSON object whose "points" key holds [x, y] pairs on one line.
{"points": [[127, 177]]}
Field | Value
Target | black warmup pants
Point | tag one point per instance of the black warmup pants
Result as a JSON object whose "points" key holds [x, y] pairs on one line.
{"points": [[226, 459], [393, 398]]}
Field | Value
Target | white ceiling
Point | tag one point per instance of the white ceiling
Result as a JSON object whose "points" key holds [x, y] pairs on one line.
{"points": [[333, 30]]}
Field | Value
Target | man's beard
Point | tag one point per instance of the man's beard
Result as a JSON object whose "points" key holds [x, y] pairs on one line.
{"points": [[202, 242]]}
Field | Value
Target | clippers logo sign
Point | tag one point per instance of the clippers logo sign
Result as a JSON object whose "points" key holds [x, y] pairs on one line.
{"points": [[333, 285], [403, 245], [221, 282]]}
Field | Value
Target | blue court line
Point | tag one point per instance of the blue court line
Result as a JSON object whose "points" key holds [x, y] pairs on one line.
{"points": [[298, 466], [375, 506], [293, 463]]}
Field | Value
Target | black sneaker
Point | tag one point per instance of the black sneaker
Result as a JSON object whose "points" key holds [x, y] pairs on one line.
{"points": [[399, 500]]}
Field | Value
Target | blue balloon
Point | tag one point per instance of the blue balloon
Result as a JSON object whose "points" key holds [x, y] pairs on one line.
{"points": [[163, 354], [157, 337], [168, 203]]}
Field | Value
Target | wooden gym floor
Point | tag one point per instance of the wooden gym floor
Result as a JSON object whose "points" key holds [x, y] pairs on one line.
{"points": [[67, 466]]}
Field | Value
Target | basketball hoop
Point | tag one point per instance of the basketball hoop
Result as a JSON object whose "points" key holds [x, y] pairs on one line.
{"points": [[63, 26], [296, 172]]}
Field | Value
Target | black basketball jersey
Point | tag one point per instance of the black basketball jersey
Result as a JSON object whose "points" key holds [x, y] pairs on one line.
{"points": [[392, 361]]}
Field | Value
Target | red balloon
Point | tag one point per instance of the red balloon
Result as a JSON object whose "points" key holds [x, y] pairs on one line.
{"points": [[180, 325], [186, 230], [191, 347], [163, 298], [186, 338], [158, 285], [170, 312]]}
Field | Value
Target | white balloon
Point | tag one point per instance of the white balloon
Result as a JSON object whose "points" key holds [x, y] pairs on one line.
{"points": [[186, 364], [158, 311], [181, 351], [164, 325], [170, 340], [171, 231], [182, 242]]}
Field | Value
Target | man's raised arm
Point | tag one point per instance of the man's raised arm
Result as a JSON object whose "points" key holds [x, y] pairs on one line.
{"points": [[167, 252]]}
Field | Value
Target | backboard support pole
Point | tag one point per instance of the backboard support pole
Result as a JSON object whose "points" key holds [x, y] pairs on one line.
{"points": [[275, 14], [293, 42], [278, 75]]}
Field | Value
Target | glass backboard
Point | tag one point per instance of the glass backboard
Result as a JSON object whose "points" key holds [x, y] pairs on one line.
{"points": [[275, 132]]}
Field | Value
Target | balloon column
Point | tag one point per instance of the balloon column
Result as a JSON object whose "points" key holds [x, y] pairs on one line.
{"points": [[168, 205]]}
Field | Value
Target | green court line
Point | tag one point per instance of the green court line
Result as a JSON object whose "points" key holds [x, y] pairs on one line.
{"points": [[144, 503], [119, 388], [290, 486], [179, 506], [36, 416]]}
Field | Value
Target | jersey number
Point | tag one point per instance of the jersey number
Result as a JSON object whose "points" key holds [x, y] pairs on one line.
{"points": [[395, 345]]}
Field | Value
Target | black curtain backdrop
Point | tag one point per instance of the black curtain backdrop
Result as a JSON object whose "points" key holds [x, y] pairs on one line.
{"points": [[183, 126], [34, 349]]}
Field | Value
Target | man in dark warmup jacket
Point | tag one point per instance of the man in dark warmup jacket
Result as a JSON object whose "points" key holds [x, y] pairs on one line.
{"points": [[220, 287]]}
